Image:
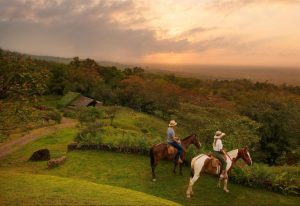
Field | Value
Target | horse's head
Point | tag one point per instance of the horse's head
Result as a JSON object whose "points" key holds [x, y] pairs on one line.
{"points": [[245, 155], [195, 141]]}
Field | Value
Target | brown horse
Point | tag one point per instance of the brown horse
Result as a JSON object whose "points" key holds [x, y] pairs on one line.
{"points": [[165, 151], [205, 163]]}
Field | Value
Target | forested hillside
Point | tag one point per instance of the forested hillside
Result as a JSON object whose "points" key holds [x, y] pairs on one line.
{"points": [[261, 112]]}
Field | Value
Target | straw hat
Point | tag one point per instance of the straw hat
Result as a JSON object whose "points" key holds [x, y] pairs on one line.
{"points": [[219, 134], [172, 123]]}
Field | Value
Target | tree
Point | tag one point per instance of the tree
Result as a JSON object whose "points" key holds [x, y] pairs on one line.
{"points": [[89, 115], [281, 124]]}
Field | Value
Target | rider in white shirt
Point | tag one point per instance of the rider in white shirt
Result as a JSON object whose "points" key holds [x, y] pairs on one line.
{"points": [[219, 152]]}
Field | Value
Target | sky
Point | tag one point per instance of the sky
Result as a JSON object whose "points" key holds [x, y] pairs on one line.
{"points": [[213, 32]]}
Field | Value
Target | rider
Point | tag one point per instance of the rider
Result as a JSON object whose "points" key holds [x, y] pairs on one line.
{"points": [[220, 153], [174, 141]]}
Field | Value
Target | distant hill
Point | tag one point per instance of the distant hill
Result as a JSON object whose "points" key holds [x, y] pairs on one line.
{"points": [[67, 60], [276, 75]]}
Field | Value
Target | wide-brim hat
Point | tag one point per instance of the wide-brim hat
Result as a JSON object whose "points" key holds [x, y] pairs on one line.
{"points": [[219, 134], [172, 123]]}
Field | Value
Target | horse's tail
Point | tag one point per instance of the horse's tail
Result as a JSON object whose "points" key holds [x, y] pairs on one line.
{"points": [[151, 156]]}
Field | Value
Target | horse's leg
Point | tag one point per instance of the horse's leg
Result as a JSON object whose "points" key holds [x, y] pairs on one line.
{"points": [[189, 191], [175, 165], [220, 178], [153, 172], [225, 185], [180, 169]]}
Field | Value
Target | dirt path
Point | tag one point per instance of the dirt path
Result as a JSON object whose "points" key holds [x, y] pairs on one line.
{"points": [[16, 144]]}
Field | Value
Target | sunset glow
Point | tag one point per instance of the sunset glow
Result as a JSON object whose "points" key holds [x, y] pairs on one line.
{"points": [[229, 32]]}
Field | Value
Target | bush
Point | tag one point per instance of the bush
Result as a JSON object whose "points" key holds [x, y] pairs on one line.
{"points": [[54, 115], [2, 138], [283, 179], [89, 115], [70, 114], [92, 134], [113, 137]]}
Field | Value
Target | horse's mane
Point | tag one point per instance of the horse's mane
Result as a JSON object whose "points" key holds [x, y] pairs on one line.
{"points": [[188, 136]]}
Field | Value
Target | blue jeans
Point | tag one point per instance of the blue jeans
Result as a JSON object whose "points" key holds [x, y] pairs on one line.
{"points": [[179, 149]]}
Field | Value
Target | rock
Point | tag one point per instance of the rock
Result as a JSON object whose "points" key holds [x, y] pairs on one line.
{"points": [[40, 155], [56, 162], [72, 146]]}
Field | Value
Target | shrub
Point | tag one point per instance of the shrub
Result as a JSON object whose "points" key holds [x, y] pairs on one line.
{"points": [[70, 114], [2, 137], [54, 115], [89, 114], [92, 134], [283, 179]]}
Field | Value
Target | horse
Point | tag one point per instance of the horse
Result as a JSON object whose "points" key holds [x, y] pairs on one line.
{"points": [[203, 163], [163, 150]]}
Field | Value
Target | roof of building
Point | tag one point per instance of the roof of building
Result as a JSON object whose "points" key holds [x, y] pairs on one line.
{"points": [[82, 101]]}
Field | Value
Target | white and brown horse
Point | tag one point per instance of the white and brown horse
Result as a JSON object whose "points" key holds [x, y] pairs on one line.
{"points": [[205, 163]]}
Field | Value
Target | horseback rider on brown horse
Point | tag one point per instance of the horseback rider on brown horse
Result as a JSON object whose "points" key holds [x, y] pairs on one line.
{"points": [[172, 150], [174, 141]]}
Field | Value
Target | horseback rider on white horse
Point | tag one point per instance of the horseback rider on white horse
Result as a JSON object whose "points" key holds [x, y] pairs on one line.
{"points": [[219, 152]]}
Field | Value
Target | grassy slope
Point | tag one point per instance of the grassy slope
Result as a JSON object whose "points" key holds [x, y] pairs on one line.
{"points": [[35, 189], [121, 170], [155, 128]]}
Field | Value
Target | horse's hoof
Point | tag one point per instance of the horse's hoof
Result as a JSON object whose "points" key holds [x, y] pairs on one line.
{"points": [[188, 196], [154, 180], [226, 190]]}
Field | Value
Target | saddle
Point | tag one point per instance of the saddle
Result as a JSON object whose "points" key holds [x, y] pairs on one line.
{"points": [[214, 166], [171, 150]]}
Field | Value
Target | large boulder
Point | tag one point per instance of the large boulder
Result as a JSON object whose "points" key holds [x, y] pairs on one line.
{"points": [[40, 155]]}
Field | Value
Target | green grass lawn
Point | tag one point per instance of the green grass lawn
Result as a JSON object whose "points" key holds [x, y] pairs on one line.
{"points": [[33, 189], [85, 173]]}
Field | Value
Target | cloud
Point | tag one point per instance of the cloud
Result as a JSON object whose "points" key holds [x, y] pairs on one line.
{"points": [[106, 30], [87, 28], [229, 6]]}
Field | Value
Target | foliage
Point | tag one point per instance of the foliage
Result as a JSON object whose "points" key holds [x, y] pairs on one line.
{"points": [[2, 138], [21, 78], [54, 115], [67, 99], [283, 179], [17, 115], [240, 131], [92, 134], [89, 114], [83, 76], [149, 96], [281, 123], [274, 107], [58, 78], [70, 114]]}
